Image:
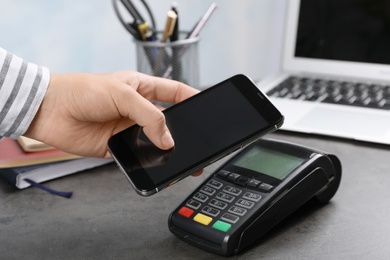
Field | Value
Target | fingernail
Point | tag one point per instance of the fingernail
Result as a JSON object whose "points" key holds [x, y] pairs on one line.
{"points": [[167, 140]]}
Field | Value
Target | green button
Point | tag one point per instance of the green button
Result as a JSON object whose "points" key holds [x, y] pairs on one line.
{"points": [[222, 226]]}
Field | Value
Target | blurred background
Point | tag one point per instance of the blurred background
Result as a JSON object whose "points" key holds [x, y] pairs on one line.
{"points": [[86, 36]]}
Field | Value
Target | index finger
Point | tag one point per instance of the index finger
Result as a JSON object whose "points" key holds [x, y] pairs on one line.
{"points": [[164, 90]]}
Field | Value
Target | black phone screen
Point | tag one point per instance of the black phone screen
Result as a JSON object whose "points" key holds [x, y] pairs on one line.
{"points": [[203, 126]]}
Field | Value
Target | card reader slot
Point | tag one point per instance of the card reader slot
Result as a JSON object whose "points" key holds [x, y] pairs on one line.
{"points": [[194, 234], [197, 241]]}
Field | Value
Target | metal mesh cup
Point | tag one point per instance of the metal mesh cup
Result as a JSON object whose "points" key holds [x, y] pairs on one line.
{"points": [[178, 60]]}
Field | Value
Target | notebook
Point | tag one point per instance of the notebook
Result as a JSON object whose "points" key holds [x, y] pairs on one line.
{"points": [[342, 46]]}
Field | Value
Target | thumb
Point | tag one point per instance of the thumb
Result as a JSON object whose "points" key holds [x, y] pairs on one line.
{"points": [[159, 133], [134, 106], [152, 120]]}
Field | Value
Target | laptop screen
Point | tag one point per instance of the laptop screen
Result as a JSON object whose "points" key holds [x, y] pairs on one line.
{"points": [[344, 30]]}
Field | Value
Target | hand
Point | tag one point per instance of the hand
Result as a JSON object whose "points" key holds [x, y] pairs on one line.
{"points": [[80, 111]]}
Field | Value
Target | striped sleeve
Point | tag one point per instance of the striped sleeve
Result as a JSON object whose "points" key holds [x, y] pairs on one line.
{"points": [[22, 88]]}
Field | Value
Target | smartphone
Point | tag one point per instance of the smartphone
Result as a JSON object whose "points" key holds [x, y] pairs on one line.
{"points": [[205, 127]]}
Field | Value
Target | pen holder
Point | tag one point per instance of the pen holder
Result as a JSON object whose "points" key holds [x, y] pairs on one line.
{"points": [[178, 60]]}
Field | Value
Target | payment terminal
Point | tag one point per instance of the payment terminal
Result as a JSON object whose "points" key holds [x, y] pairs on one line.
{"points": [[253, 192]]}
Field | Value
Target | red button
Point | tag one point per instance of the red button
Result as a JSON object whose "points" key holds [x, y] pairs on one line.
{"points": [[186, 212]]}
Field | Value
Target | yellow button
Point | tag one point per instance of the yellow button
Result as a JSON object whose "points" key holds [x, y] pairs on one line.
{"points": [[203, 219]]}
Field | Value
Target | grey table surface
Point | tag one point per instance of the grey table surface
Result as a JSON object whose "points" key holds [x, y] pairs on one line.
{"points": [[106, 219]]}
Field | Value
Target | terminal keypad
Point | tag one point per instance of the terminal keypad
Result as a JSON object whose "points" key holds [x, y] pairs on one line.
{"points": [[221, 205]]}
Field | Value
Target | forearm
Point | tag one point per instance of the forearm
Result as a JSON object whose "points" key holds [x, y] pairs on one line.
{"points": [[22, 88]]}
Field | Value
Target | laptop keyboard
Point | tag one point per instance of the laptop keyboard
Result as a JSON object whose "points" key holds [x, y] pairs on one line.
{"points": [[333, 91]]}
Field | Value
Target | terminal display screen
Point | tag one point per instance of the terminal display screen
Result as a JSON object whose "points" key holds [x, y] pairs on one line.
{"points": [[269, 162]]}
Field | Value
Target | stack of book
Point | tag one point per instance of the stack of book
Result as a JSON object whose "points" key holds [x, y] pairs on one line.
{"points": [[25, 161]]}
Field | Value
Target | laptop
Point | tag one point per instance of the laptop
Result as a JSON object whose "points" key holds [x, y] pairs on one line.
{"points": [[335, 77]]}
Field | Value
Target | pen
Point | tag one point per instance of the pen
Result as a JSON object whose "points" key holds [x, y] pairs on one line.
{"points": [[163, 57], [145, 32], [175, 34], [169, 25], [148, 36], [176, 62], [198, 27]]}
